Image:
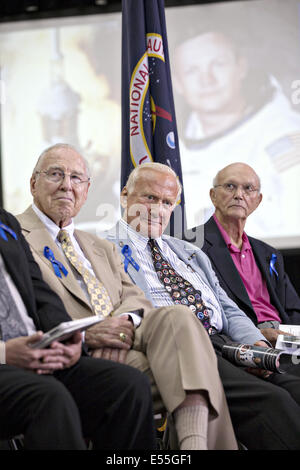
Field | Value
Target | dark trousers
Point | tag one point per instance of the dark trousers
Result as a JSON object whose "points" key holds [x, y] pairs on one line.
{"points": [[265, 412], [104, 401]]}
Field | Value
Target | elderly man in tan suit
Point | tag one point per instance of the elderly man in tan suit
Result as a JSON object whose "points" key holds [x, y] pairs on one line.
{"points": [[169, 344]]}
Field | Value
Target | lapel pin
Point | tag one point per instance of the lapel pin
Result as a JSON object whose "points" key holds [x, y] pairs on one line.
{"points": [[5, 229], [126, 251], [272, 265], [57, 265]]}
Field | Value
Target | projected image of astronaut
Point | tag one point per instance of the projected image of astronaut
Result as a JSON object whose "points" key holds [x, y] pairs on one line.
{"points": [[85, 114], [233, 111]]}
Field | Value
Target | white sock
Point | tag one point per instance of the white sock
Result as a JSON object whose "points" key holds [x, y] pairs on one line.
{"points": [[191, 426]]}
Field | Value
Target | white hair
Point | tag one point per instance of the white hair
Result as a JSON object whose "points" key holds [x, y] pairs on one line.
{"points": [[57, 147], [155, 166]]}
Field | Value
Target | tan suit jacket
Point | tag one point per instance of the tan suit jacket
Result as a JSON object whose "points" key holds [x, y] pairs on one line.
{"points": [[106, 263]]}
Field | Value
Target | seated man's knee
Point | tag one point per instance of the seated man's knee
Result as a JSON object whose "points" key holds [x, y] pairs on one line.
{"points": [[139, 360], [182, 318], [171, 314], [129, 377]]}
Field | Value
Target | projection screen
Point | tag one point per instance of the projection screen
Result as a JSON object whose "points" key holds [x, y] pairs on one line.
{"points": [[236, 84]]}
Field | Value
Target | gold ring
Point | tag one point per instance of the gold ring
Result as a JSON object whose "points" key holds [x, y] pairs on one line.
{"points": [[123, 337]]}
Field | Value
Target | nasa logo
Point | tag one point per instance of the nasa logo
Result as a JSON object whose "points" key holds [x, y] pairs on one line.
{"points": [[142, 107]]}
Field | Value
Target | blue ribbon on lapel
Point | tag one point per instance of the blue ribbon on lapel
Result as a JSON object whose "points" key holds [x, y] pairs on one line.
{"points": [[57, 265], [4, 228], [272, 264], [126, 251]]}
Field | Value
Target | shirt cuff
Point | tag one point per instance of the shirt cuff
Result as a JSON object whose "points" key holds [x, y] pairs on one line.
{"points": [[2, 353], [135, 318]]}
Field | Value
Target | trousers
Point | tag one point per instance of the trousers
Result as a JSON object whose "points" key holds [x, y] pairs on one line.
{"points": [[107, 402], [265, 412], [172, 347]]}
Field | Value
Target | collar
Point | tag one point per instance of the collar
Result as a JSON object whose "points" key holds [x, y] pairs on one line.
{"points": [[138, 240], [232, 248], [52, 228]]}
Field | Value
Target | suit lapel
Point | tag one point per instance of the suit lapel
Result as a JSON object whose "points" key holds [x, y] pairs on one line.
{"points": [[187, 255], [97, 257], [38, 237], [16, 264], [136, 275], [262, 258], [120, 237], [222, 262]]}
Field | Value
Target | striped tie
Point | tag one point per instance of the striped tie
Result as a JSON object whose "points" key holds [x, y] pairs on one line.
{"points": [[99, 297]]}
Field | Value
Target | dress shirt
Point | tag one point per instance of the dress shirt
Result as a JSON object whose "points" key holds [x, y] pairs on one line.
{"points": [[250, 274], [159, 294], [28, 322]]}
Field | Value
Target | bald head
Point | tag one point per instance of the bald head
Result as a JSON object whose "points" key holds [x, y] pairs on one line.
{"points": [[55, 150], [59, 183], [151, 167], [238, 169], [235, 193]]}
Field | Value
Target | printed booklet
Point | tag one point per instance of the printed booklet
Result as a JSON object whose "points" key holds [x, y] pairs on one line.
{"points": [[65, 330]]}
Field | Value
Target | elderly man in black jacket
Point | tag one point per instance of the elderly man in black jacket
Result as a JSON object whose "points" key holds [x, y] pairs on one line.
{"points": [[250, 271]]}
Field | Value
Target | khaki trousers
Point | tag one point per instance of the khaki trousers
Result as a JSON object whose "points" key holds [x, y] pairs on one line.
{"points": [[174, 350]]}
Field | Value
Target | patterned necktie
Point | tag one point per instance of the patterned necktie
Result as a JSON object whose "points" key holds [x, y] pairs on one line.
{"points": [[99, 296], [181, 290], [11, 323]]}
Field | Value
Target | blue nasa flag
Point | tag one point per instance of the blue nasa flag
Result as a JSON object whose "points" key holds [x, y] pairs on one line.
{"points": [[149, 131]]}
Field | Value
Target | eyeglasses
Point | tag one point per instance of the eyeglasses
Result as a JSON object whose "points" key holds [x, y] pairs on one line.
{"points": [[56, 176], [247, 189]]}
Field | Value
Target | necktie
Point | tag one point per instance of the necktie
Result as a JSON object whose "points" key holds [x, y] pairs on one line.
{"points": [[181, 290], [11, 323], [99, 297]]}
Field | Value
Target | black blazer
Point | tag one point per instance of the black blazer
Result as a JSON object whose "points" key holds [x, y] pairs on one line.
{"points": [[43, 305], [283, 295]]}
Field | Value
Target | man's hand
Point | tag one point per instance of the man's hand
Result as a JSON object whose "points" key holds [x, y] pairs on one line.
{"points": [[261, 344], [260, 372], [271, 334], [19, 353], [42, 361], [112, 354], [70, 350], [106, 334]]}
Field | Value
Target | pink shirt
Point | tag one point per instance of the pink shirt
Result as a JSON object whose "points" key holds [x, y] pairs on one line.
{"points": [[251, 276]]}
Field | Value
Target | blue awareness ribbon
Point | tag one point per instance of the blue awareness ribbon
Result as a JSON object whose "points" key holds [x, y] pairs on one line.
{"points": [[126, 251], [272, 264], [57, 265], [4, 228]]}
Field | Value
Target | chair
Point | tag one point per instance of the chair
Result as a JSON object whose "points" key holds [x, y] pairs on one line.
{"points": [[166, 432], [16, 443]]}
